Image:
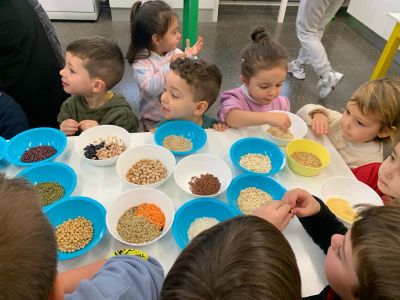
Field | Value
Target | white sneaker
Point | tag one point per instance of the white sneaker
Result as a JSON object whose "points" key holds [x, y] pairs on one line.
{"points": [[297, 71], [328, 82]]}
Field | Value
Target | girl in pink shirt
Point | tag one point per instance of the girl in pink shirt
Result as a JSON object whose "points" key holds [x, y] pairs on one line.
{"points": [[263, 71]]}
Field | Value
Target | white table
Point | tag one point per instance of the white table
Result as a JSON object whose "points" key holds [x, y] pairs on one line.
{"points": [[104, 185]]}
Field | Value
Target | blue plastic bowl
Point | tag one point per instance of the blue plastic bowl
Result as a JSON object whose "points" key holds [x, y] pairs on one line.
{"points": [[186, 129], [3, 147], [267, 184], [197, 208], [259, 146], [42, 136], [52, 172], [72, 208]]}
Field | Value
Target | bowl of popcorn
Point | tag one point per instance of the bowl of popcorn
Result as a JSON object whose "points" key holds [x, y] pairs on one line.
{"points": [[257, 156], [297, 130], [102, 145], [196, 216], [202, 175], [79, 225], [146, 165], [342, 201], [140, 217], [247, 192], [181, 137], [307, 157]]}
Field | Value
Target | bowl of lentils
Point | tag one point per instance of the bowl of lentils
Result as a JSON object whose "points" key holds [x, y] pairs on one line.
{"points": [[79, 225], [247, 192], [140, 217], [257, 156], [102, 145], [181, 137], [35, 146], [53, 181]]}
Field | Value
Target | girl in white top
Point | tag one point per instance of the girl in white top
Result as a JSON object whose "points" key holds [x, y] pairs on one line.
{"points": [[371, 117], [154, 40]]}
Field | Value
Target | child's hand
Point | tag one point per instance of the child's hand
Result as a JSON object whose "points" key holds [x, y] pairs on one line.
{"points": [[303, 204], [86, 124], [69, 127], [319, 123], [278, 213], [176, 56], [196, 49], [220, 126], [280, 120]]}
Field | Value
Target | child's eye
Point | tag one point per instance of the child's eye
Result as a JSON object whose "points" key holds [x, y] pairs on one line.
{"points": [[360, 123]]}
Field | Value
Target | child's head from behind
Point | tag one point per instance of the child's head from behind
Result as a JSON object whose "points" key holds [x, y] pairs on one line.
{"points": [[263, 67], [93, 65], [373, 112], [242, 258], [365, 263], [27, 244], [192, 86], [154, 27]]}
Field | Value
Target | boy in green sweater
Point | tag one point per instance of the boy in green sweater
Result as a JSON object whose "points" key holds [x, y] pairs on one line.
{"points": [[93, 66]]}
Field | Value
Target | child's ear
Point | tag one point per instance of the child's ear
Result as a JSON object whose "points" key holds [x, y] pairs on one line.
{"points": [[384, 133], [244, 79], [156, 39], [99, 86], [201, 108]]}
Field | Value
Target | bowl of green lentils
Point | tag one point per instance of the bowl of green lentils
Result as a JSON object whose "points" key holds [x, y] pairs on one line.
{"points": [[53, 182]]}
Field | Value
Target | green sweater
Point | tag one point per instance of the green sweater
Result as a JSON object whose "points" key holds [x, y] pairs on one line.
{"points": [[115, 111]]}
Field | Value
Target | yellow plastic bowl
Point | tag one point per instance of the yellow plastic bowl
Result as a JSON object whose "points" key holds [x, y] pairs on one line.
{"points": [[304, 145]]}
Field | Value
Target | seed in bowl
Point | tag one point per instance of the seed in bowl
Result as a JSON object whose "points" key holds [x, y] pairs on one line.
{"points": [[106, 148], [49, 192], [342, 209], [38, 153], [279, 133], [256, 162], [307, 159], [147, 171], [252, 198], [199, 225], [74, 234], [177, 143], [206, 184]]}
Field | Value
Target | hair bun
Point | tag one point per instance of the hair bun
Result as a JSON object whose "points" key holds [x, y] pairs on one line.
{"points": [[259, 34]]}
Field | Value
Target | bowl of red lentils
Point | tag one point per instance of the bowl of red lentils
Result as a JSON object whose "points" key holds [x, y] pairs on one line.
{"points": [[35, 146], [140, 217]]}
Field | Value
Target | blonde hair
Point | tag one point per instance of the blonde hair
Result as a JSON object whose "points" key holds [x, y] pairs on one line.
{"points": [[380, 98]]}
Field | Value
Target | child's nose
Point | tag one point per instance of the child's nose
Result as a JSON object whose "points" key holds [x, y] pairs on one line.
{"points": [[62, 71]]}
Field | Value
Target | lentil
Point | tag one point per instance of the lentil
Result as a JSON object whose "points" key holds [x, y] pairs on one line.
{"points": [[199, 225], [74, 234], [177, 143], [252, 198], [256, 162], [307, 159], [38, 153], [153, 213], [106, 148], [279, 133], [206, 184], [49, 192], [147, 171]]}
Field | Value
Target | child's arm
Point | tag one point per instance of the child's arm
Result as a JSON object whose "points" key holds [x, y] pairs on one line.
{"points": [[278, 213], [237, 119], [196, 49], [68, 115], [318, 117], [86, 124], [69, 127], [220, 126]]}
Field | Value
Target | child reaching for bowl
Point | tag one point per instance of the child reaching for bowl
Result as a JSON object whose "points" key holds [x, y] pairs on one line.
{"points": [[263, 72], [371, 117]]}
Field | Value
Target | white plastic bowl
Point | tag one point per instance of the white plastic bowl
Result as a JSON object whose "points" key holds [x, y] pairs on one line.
{"points": [[103, 131], [147, 151], [298, 129], [134, 198], [197, 164], [352, 190]]}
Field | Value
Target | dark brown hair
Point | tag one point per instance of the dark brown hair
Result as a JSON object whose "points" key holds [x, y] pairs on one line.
{"points": [[242, 258], [101, 57], [375, 240], [151, 17], [204, 78], [262, 54], [28, 259]]}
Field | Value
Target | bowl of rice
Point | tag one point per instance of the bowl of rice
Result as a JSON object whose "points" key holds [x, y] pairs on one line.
{"points": [[257, 156], [297, 130], [181, 137], [247, 192], [198, 215], [140, 217]]}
